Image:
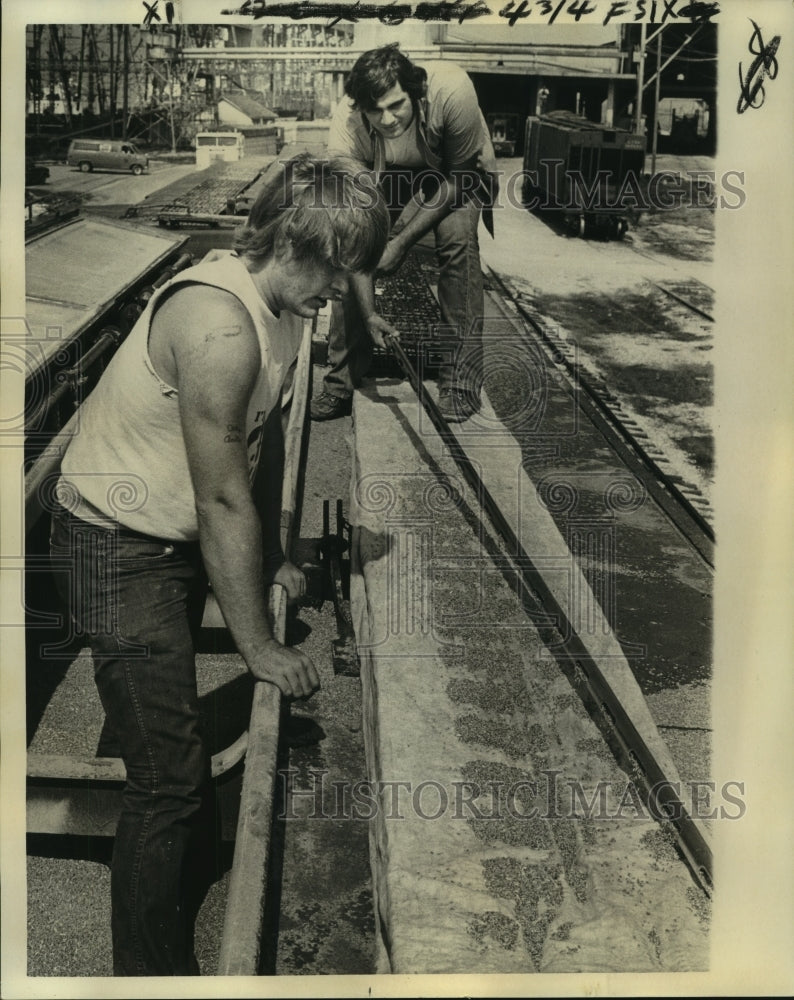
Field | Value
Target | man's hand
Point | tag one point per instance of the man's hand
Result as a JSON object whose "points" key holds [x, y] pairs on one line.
{"points": [[379, 328], [292, 579], [488, 168], [392, 259], [290, 670]]}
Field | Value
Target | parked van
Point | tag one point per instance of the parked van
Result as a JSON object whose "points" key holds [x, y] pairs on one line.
{"points": [[106, 154]]}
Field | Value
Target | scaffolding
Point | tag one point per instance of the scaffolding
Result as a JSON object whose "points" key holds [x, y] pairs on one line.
{"points": [[103, 77]]}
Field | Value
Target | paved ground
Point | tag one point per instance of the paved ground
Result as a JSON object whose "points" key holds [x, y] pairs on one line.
{"points": [[656, 359], [100, 188], [601, 297]]}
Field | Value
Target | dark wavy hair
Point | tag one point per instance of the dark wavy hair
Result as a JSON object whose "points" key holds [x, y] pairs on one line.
{"points": [[328, 211], [377, 71]]}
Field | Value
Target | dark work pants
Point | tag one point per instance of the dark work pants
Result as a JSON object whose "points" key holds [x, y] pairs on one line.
{"points": [[460, 296], [138, 602]]}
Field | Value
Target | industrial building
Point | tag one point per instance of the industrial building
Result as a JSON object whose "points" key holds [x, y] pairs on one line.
{"points": [[162, 87]]}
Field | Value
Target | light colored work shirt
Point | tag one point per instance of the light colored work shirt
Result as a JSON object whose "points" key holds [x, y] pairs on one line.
{"points": [[128, 460], [449, 125]]}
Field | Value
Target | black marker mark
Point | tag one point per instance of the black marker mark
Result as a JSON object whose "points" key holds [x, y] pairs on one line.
{"points": [[669, 10], [700, 11], [458, 9], [557, 10], [335, 12], [580, 9], [152, 14], [394, 14], [514, 15], [764, 65], [466, 10]]}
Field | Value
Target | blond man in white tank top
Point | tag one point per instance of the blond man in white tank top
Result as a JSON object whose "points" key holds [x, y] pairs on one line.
{"points": [[156, 490]]}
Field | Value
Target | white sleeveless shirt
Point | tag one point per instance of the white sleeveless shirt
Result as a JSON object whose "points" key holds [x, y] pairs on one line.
{"points": [[127, 458]]}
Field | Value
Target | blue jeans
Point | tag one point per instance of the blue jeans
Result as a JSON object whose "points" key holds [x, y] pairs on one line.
{"points": [[460, 298], [138, 602]]}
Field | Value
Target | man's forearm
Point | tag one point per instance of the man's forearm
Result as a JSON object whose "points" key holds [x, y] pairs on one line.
{"points": [[449, 194], [364, 291], [231, 545]]}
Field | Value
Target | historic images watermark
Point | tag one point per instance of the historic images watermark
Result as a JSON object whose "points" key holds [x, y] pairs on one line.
{"points": [[313, 795], [664, 190], [552, 187]]}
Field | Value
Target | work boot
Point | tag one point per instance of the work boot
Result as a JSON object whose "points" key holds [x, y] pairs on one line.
{"points": [[328, 407], [457, 405]]}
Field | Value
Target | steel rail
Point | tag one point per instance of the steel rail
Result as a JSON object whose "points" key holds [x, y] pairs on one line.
{"points": [[660, 486], [241, 937], [666, 804], [170, 219], [72, 378], [683, 301]]}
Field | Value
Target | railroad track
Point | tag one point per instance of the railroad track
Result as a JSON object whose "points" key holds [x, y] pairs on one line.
{"points": [[538, 592], [694, 295], [415, 315], [684, 292], [682, 502]]}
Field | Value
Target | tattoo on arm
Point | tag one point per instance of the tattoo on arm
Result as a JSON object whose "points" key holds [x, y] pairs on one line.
{"points": [[222, 331], [234, 434]]}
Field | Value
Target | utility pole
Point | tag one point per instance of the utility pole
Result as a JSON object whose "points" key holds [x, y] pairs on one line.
{"points": [[93, 46], [640, 82], [91, 72], [60, 60], [657, 83], [35, 74], [79, 97], [171, 104], [125, 80], [52, 62], [112, 83]]}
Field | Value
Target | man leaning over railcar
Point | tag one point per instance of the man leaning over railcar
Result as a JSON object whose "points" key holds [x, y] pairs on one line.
{"points": [[157, 481], [421, 130]]}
